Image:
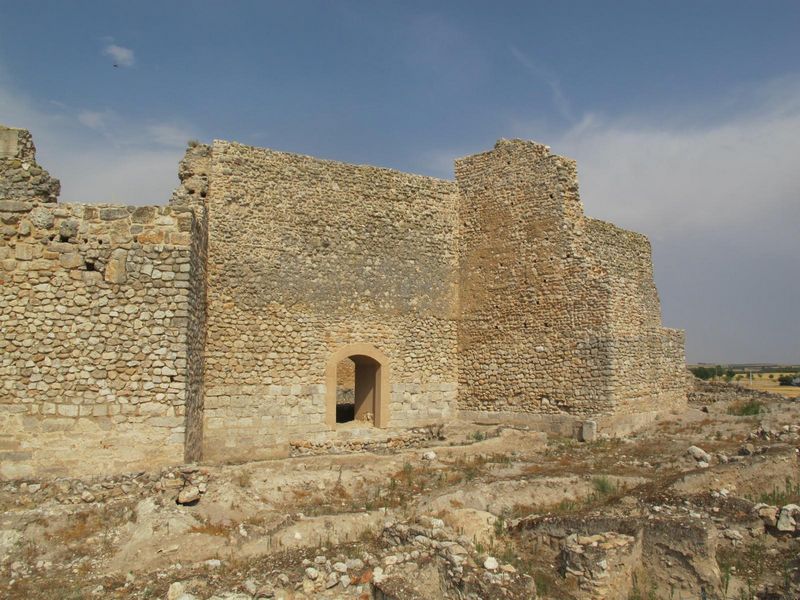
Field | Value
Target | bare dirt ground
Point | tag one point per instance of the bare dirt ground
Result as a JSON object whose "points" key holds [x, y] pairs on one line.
{"points": [[697, 505]]}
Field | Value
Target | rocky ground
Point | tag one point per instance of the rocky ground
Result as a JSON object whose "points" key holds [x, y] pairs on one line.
{"points": [[701, 504]]}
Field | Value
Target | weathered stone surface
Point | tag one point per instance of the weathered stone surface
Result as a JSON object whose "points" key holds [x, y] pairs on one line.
{"points": [[699, 454], [189, 494], [70, 260], [21, 179], [787, 520], [14, 206], [112, 213], [601, 565], [116, 270], [68, 229], [41, 217], [768, 514], [588, 431]]}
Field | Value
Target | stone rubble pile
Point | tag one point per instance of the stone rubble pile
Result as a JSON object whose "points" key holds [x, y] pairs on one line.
{"points": [[182, 482], [787, 433], [709, 392], [405, 545], [601, 565], [785, 519], [413, 438]]}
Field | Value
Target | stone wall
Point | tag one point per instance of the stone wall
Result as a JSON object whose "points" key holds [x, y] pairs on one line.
{"points": [[559, 313], [95, 306], [647, 360], [533, 335], [191, 194], [207, 329], [307, 256], [22, 179]]}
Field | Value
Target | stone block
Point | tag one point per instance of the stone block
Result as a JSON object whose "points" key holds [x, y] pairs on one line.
{"points": [[152, 236], [14, 206], [70, 260], [67, 410], [41, 217], [68, 229], [26, 251], [9, 142], [144, 214], [114, 213], [116, 271], [587, 431]]}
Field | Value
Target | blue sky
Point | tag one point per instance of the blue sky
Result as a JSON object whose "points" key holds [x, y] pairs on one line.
{"points": [[684, 116]]}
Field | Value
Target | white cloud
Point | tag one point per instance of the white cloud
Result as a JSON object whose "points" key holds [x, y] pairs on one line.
{"points": [[169, 134], [668, 180], [121, 56], [717, 190], [99, 155], [669, 175], [95, 119]]}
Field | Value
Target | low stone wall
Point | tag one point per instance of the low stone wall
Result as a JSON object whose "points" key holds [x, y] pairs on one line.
{"points": [[708, 392], [601, 565]]}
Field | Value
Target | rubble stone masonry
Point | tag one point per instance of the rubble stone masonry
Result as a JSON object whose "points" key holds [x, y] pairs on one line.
{"points": [[142, 336], [559, 313]]}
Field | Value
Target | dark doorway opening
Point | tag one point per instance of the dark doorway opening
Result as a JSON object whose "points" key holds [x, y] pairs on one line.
{"points": [[345, 391], [356, 389]]}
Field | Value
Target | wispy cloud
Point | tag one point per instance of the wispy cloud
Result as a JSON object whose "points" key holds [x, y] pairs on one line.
{"points": [[95, 119], [100, 155], [560, 101], [122, 56], [435, 47], [169, 134]]}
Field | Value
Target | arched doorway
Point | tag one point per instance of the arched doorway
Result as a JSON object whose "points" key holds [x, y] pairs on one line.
{"points": [[370, 392]]}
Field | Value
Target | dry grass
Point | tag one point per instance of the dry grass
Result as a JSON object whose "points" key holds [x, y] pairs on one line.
{"points": [[763, 383], [84, 525], [208, 528]]}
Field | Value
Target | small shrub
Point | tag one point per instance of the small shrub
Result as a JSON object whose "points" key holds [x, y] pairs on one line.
{"points": [[746, 409], [478, 436], [499, 526], [545, 583], [603, 486], [790, 494]]}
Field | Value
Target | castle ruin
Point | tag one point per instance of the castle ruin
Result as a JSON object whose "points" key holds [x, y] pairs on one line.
{"points": [[211, 328]]}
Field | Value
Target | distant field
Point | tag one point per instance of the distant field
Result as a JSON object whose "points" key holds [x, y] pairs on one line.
{"points": [[761, 381], [764, 376]]}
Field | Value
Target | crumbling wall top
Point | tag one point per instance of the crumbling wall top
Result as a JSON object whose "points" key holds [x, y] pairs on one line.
{"points": [[16, 143], [21, 179]]}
